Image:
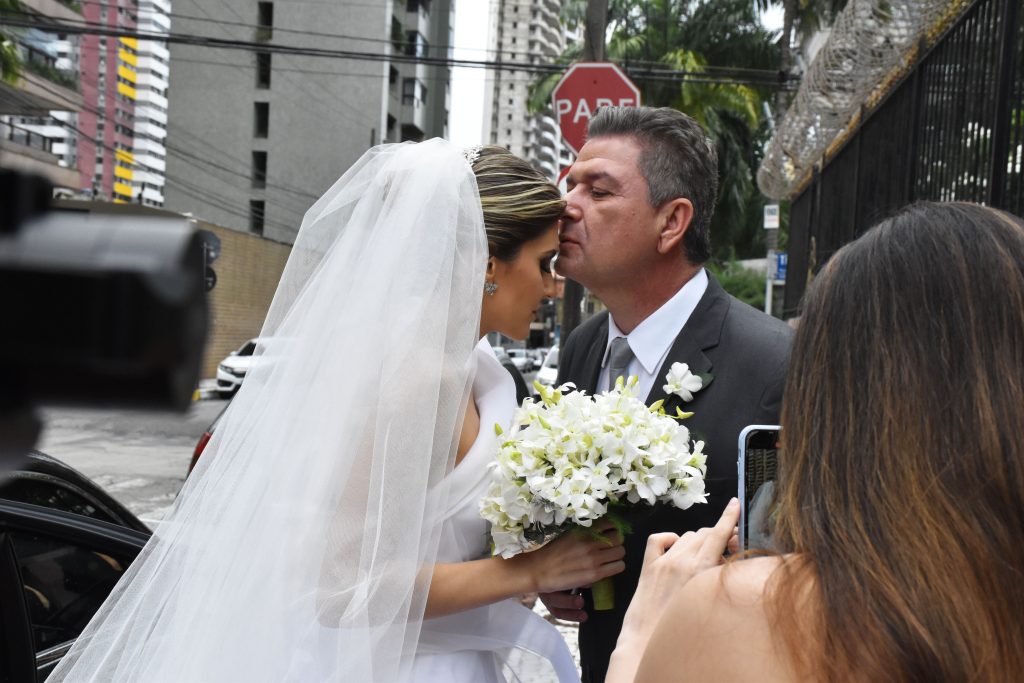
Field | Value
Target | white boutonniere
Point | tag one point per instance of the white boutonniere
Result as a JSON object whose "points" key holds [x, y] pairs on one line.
{"points": [[683, 383]]}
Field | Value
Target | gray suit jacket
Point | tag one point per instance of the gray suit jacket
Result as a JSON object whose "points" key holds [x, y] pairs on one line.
{"points": [[747, 353]]}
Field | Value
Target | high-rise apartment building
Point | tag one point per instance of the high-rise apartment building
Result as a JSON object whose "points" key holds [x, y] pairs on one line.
{"points": [[422, 28], [115, 140], [106, 123], [523, 32], [152, 74], [255, 136]]}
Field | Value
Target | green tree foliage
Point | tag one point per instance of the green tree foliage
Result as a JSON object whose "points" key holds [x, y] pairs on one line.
{"points": [[10, 62], [743, 283], [700, 37]]}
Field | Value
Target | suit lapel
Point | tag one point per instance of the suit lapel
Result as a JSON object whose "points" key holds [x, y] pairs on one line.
{"points": [[701, 332]]}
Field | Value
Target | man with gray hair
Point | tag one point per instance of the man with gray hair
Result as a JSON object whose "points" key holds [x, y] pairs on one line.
{"points": [[636, 233]]}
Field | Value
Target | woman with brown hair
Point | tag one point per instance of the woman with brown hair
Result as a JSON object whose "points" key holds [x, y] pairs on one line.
{"points": [[900, 497]]}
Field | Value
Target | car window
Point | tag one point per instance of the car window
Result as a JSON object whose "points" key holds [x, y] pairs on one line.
{"points": [[64, 584], [36, 489], [248, 349]]}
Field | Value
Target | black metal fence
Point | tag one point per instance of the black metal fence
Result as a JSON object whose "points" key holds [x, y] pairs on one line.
{"points": [[952, 129]]}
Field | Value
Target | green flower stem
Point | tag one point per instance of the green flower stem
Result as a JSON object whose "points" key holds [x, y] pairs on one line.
{"points": [[603, 593]]}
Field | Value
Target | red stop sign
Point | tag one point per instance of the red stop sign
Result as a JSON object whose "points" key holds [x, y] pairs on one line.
{"points": [[584, 88]]}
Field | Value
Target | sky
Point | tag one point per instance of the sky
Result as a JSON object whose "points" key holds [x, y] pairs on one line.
{"points": [[465, 122]]}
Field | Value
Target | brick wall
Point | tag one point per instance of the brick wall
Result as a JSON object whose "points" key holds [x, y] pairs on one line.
{"points": [[248, 270]]}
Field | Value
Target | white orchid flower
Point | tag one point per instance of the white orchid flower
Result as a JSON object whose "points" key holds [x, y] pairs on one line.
{"points": [[682, 382]]}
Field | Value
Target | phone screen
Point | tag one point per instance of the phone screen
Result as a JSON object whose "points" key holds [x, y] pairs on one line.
{"points": [[758, 465]]}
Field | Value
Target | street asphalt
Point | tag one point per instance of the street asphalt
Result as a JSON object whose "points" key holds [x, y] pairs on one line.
{"points": [[140, 458]]}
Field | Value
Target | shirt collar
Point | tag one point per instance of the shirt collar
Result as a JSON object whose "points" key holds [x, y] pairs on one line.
{"points": [[651, 339]]}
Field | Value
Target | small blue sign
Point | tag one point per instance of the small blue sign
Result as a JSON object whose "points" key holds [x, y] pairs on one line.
{"points": [[781, 260]]}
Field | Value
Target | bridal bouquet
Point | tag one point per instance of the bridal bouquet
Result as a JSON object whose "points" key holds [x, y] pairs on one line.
{"points": [[572, 459]]}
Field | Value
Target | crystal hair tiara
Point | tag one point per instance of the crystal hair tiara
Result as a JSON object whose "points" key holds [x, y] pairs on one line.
{"points": [[472, 153]]}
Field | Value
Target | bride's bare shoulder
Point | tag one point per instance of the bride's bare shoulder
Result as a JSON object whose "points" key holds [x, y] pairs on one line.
{"points": [[720, 621]]}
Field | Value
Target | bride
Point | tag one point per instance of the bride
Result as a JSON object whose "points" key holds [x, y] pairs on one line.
{"points": [[333, 533]]}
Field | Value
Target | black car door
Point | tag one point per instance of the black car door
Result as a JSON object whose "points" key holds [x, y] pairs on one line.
{"points": [[17, 653], [64, 566]]}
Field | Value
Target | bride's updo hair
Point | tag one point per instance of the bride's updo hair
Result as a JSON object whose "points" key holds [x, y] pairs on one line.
{"points": [[519, 202]]}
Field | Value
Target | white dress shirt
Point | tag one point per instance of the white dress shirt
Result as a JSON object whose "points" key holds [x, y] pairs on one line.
{"points": [[651, 340]]}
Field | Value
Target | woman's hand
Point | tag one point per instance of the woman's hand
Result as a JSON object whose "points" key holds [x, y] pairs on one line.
{"points": [[574, 560], [569, 561], [669, 562]]}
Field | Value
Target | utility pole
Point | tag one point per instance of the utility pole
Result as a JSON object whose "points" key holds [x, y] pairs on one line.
{"points": [[594, 28], [771, 240], [596, 23]]}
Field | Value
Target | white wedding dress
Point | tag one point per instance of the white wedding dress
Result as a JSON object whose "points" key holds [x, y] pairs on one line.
{"points": [[473, 646]]}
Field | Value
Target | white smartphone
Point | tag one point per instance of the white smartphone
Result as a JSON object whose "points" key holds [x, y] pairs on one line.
{"points": [[756, 469]]}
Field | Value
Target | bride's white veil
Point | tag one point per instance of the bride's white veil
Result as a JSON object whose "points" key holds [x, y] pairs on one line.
{"points": [[296, 550]]}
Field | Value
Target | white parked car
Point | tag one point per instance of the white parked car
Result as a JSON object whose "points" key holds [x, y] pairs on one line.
{"points": [[548, 372], [231, 371]]}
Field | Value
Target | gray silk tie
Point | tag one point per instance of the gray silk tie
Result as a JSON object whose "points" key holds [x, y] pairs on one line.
{"points": [[619, 358]]}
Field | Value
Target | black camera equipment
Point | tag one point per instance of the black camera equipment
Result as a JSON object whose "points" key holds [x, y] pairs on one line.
{"points": [[97, 311]]}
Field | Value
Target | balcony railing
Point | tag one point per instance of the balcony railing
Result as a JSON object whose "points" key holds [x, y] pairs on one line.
{"points": [[27, 137], [63, 77]]}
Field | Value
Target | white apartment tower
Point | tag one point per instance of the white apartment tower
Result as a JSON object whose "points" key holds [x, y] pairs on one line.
{"points": [[523, 32], [151, 105]]}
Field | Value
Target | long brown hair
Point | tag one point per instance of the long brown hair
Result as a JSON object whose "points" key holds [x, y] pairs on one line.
{"points": [[901, 487]]}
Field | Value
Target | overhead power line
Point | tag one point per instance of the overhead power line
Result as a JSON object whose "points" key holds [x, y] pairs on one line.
{"points": [[359, 114], [53, 25], [186, 188], [203, 194], [387, 41], [187, 154]]}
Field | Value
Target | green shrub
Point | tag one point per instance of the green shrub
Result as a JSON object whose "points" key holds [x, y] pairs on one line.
{"points": [[743, 283]]}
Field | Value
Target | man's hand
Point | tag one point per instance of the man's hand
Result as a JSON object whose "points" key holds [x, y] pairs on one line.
{"points": [[564, 605]]}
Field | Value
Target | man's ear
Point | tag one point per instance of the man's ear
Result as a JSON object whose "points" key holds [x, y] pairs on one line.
{"points": [[675, 218]]}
